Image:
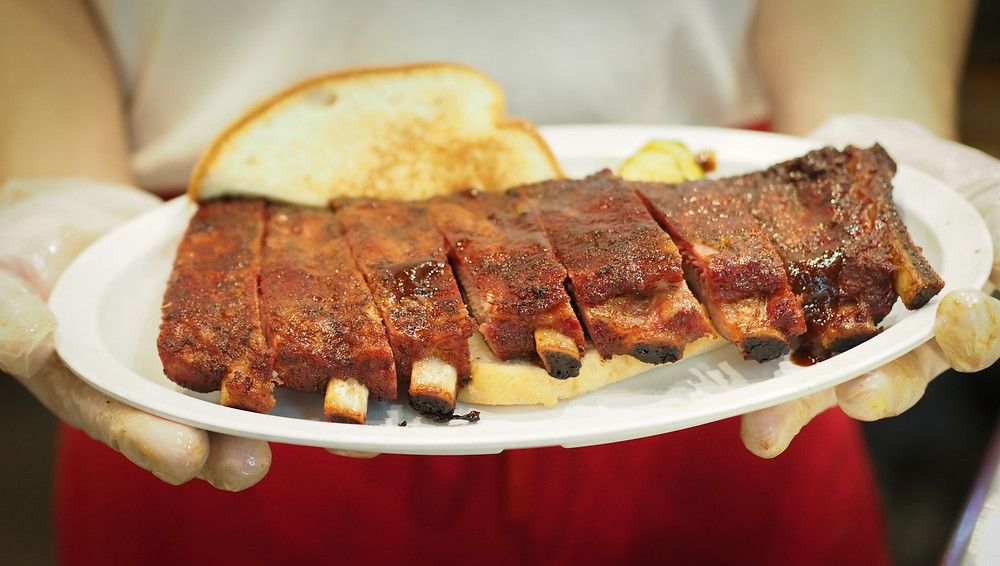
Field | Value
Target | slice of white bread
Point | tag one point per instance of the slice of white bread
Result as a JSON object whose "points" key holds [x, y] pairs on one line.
{"points": [[521, 382], [404, 133], [401, 133]]}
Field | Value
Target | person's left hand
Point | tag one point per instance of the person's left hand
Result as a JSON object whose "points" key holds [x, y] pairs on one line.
{"points": [[967, 328], [44, 224]]}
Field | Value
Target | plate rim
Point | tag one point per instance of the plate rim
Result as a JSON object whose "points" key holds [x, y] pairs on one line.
{"points": [[85, 358]]}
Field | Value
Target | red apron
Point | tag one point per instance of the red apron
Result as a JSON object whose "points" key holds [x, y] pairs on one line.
{"points": [[691, 497]]}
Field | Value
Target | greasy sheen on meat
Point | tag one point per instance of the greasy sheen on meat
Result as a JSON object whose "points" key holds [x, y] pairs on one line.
{"points": [[319, 316], [830, 215], [730, 264], [210, 334], [512, 281], [625, 273], [402, 256]]}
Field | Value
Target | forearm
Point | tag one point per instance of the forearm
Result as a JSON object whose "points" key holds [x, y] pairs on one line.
{"points": [[60, 105], [897, 58]]}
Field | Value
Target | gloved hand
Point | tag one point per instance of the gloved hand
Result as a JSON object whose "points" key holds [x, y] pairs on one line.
{"points": [[44, 224], [967, 327]]}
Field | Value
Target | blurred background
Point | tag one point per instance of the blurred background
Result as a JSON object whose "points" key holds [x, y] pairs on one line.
{"points": [[925, 460]]}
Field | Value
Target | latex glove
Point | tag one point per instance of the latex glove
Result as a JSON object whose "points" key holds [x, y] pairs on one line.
{"points": [[967, 327], [44, 224]]}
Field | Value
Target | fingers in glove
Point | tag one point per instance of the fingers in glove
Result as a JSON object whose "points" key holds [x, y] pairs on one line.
{"points": [[967, 329], [768, 432], [893, 388], [235, 463], [45, 223], [26, 328], [173, 452]]}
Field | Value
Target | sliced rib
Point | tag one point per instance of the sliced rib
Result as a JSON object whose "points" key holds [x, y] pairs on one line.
{"points": [[625, 273], [914, 280], [402, 256], [320, 319], [513, 283], [831, 217], [211, 336], [730, 264]]}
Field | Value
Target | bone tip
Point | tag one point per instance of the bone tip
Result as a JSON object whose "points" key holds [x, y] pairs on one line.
{"points": [[763, 348], [657, 353], [849, 340], [433, 386], [561, 365], [558, 352], [346, 401]]}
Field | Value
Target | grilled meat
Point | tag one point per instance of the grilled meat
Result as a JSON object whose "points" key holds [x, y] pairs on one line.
{"points": [[512, 281], [831, 218], [402, 256], [813, 246], [211, 336], [319, 316], [730, 264], [914, 280], [625, 273]]}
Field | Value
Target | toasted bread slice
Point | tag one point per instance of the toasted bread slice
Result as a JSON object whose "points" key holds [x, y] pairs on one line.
{"points": [[407, 133]]}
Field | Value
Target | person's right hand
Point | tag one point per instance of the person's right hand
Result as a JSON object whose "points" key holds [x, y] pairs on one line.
{"points": [[44, 224]]}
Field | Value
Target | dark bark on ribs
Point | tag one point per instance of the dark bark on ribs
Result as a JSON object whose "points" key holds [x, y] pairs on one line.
{"points": [[211, 334], [513, 283], [402, 256], [625, 273], [321, 319], [831, 217], [730, 264], [914, 280]]}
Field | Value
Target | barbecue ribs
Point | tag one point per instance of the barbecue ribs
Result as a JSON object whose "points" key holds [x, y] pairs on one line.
{"points": [[831, 217], [211, 336], [402, 256], [624, 272], [513, 283], [811, 250], [731, 265], [319, 317]]}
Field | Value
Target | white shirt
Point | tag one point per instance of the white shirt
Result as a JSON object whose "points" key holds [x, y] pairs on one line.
{"points": [[189, 67]]}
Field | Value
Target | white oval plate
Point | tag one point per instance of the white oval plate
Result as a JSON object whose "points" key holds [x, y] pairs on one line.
{"points": [[107, 304]]}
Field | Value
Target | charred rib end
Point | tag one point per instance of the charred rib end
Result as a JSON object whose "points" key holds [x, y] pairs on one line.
{"points": [[433, 386], [844, 343], [656, 353], [346, 401], [920, 298], [559, 353], [561, 365], [763, 348]]}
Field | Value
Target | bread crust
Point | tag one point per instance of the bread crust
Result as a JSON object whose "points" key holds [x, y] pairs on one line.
{"points": [[259, 110]]}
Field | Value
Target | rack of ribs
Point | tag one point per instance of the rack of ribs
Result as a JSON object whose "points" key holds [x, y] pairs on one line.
{"points": [[402, 256], [831, 217], [211, 336], [511, 280], [624, 271], [320, 320], [731, 265], [363, 299]]}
